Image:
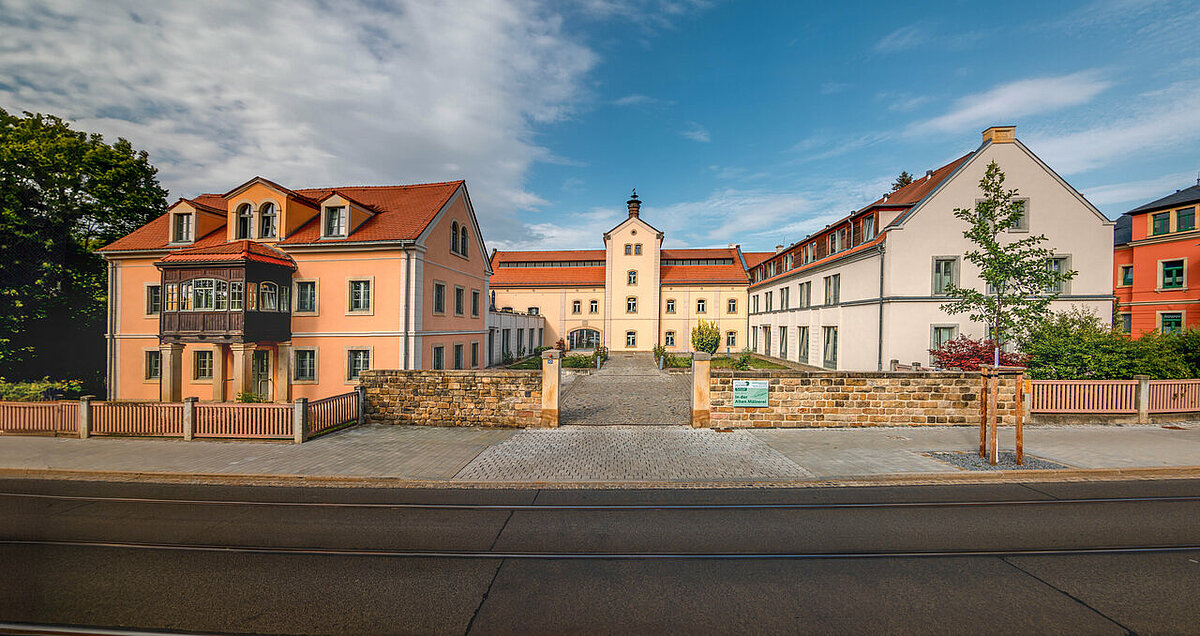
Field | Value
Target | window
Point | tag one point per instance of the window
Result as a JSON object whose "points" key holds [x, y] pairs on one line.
{"points": [[474, 354], [833, 289], [830, 352], [268, 220], [1126, 275], [783, 343], [171, 300], [235, 295], [805, 295], [669, 339], [1185, 220], [868, 228], [730, 338], [154, 299], [462, 242], [202, 365], [204, 294], [670, 305], [454, 237], [842, 243], [475, 303], [945, 272], [783, 297], [335, 221], [802, 344], [940, 335], [185, 296], [630, 338], [460, 301], [1022, 222], [268, 300], [767, 300], [593, 306], [631, 305], [787, 262], [532, 311], [1160, 223], [1171, 322], [576, 306], [637, 248], [439, 298], [628, 249], [306, 296], [183, 228], [306, 365], [520, 342], [439, 358], [766, 340], [1126, 323], [1060, 265], [754, 303], [245, 221], [504, 341], [285, 302], [541, 341], [153, 365], [810, 252], [731, 307], [701, 306], [631, 277], [360, 295], [458, 357], [1172, 274], [754, 339]]}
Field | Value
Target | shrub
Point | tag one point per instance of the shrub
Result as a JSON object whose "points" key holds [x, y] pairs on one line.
{"points": [[968, 354], [561, 345], [39, 391], [579, 362], [659, 352], [538, 350], [247, 397], [706, 337], [742, 361], [1077, 345], [506, 358]]}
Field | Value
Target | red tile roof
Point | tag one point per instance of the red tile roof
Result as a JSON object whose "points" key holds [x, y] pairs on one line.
{"points": [[402, 213], [547, 255], [595, 276], [240, 250], [703, 274], [755, 258], [547, 277]]}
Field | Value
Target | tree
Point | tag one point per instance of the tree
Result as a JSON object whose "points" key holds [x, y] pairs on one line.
{"points": [[706, 337], [902, 180], [63, 193], [1021, 284]]}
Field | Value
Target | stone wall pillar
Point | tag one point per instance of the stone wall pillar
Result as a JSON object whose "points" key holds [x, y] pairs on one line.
{"points": [[300, 420], [85, 416], [283, 372], [170, 382], [701, 400], [551, 380], [1143, 398], [243, 354], [189, 418], [220, 372]]}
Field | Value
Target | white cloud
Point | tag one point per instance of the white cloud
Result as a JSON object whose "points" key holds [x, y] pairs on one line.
{"points": [[306, 93], [1138, 192], [1006, 102], [639, 100], [830, 88], [902, 39], [696, 132]]}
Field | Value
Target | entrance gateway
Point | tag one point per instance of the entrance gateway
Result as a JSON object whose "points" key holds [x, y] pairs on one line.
{"points": [[584, 339], [628, 389]]}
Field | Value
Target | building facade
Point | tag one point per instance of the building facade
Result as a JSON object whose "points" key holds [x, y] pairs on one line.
{"points": [[288, 293], [631, 296], [1156, 265], [868, 288]]}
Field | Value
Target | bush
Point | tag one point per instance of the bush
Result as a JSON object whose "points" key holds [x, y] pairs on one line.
{"points": [[706, 337], [506, 358], [38, 391], [579, 362], [1076, 345], [538, 350], [251, 398], [968, 354], [561, 345], [659, 352], [742, 362]]}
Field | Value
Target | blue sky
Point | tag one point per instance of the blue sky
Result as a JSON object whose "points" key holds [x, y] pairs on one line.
{"points": [[738, 122]]}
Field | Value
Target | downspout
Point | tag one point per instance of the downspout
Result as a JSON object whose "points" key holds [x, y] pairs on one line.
{"points": [[407, 307], [879, 364], [110, 366]]}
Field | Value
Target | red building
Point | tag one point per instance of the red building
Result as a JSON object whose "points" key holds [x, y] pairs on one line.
{"points": [[1156, 265]]}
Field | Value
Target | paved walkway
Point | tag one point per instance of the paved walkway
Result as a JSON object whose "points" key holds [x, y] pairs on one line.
{"points": [[645, 454], [627, 390]]}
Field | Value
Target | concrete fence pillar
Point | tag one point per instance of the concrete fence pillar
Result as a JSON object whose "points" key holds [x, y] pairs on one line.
{"points": [[1143, 398], [170, 372], [85, 416], [551, 381], [189, 418], [362, 404], [299, 420], [701, 401]]}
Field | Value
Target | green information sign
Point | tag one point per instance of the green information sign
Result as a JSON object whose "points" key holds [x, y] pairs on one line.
{"points": [[749, 393]]}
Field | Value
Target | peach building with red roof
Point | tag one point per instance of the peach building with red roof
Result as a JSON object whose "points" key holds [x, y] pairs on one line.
{"points": [[630, 296], [867, 289], [289, 293]]}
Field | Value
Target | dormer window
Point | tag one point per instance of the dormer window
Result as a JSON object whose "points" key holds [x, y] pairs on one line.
{"points": [[268, 220], [335, 221], [245, 221], [183, 228]]}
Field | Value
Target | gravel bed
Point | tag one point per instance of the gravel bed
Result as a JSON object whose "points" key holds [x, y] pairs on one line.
{"points": [[1007, 460]]}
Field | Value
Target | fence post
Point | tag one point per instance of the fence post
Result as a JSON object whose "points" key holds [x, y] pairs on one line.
{"points": [[299, 420], [189, 418], [1143, 398], [362, 404], [701, 397], [551, 380], [85, 416]]}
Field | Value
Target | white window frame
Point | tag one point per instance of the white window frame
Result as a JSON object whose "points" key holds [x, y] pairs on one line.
{"points": [[933, 272], [825, 348], [370, 310], [345, 221], [630, 339], [669, 338], [1121, 276], [262, 216], [802, 344], [933, 328], [593, 306], [730, 338], [185, 233], [1161, 262], [631, 278], [346, 361], [631, 303], [576, 307], [702, 305], [1158, 318], [731, 306], [669, 306]]}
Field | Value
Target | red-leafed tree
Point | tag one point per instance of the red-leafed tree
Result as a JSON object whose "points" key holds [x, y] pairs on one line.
{"points": [[968, 354]]}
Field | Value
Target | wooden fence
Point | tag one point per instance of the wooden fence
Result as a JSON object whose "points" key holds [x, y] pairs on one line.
{"points": [[1174, 396], [1140, 396], [190, 419]]}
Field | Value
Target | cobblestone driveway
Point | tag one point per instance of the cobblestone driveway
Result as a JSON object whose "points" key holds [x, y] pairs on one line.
{"points": [[629, 389]]}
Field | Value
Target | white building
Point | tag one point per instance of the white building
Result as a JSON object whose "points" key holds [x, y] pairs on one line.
{"points": [[867, 289]]}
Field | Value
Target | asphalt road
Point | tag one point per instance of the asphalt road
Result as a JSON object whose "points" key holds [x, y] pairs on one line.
{"points": [[814, 560]]}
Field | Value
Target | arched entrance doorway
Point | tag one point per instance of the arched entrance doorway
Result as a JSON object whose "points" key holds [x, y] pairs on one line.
{"points": [[584, 339]]}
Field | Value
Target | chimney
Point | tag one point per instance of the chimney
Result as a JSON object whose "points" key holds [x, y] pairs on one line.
{"points": [[1000, 134], [633, 204], [928, 174], [778, 249], [886, 195]]}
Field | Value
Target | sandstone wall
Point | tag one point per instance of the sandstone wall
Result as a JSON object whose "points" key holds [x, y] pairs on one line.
{"points": [[454, 398], [852, 399]]}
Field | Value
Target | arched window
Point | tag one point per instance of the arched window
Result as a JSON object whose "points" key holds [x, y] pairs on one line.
{"points": [[462, 241], [637, 249], [631, 277], [268, 222], [630, 338], [245, 221], [575, 306], [268, 297], [670, 305], [631, 305], [454, 237], [701, 305], [594, 306]]}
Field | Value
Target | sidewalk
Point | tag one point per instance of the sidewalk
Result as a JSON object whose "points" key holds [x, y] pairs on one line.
{"points": [[610, 455]]}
